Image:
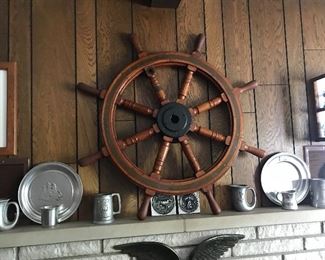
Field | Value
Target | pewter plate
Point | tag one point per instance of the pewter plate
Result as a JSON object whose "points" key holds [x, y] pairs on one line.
{"points": [[50, 184], [282, 172]]}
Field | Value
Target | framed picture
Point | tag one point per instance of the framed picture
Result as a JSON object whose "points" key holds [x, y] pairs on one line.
{"points": [[315, 160], [8, 108], [319, 91]]}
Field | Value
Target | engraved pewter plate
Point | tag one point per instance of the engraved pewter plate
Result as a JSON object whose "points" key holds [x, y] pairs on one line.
{"points": [[282, 172], [50, 184]]}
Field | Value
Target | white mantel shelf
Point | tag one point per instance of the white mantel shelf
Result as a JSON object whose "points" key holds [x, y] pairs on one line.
{"points": [[81, 231]]}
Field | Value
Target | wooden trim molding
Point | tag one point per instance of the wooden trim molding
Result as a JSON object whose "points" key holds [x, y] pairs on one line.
{"points": [[11, 147]]}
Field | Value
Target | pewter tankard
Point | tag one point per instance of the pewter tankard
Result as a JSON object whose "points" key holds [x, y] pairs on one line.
{"points": [[103, 208], [288, 199], [239, 197], [5, 224], [317, 192]]}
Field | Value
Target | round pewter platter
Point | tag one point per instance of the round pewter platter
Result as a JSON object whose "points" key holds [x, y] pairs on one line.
{"points": [[50, 184], [283, 172]]}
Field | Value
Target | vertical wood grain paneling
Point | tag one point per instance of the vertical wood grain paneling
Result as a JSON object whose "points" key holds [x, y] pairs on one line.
{"points": [[219, 119], [269, 62], [295, 55], [315, 65], [237, 48], [244, 168], [187, 30], [20, 51], [268, 42], [274, 118], [114, 52], [54, 104], [214, 34], [86, 105], [313, 23], [156, 35], [4, 13], [239, 71], [54, 48]]}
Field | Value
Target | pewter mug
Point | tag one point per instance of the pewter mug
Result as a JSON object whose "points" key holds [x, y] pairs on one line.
{"points": [[288, 199], [49, 216], [239, 197], [5, 224], [317, 192], [104, 208]]}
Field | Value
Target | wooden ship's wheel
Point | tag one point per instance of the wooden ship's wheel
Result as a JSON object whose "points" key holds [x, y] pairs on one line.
{"points": [[173, 121]]}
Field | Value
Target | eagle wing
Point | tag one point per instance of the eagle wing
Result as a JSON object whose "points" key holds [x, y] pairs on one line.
{"points": [[214, 247], [148, 251]]}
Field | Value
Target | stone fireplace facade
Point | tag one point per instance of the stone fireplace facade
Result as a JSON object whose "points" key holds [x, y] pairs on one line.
{"points": [[266, 242]]}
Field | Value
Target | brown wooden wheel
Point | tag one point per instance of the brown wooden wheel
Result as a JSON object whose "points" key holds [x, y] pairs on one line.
{"points": [[173, 121]]}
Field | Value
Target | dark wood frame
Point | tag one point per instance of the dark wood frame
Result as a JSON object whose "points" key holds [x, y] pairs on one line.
{"points": [[312, 164], [10, 178], [11, 148], [313, 109]]}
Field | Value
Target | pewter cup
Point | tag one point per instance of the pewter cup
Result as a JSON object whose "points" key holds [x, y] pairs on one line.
{"points": [[239, 197], [317, 192], [49, 216], [288, 199], [5, 224], [104, 209]]}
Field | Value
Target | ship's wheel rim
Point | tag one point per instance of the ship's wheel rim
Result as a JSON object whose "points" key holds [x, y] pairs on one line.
{"points": [[136, 174]]}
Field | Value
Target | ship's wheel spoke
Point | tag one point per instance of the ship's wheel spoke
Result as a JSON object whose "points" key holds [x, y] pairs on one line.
{"points": [[213, 135], [134, 106], [161, 157], [252, 150], [185, 88], [188, 151], [138, 137], [209, 104], [149, 71], [206, 132], [152, 75]]}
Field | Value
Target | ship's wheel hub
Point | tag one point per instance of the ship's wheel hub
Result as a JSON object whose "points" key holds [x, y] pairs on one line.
{"points": [[174, 120]]}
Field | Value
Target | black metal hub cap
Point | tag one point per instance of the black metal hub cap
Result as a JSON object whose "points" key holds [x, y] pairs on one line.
{"points": [[174, 120]]}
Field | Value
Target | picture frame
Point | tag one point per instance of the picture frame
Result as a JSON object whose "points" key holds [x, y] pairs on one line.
{"points": [[8, 108], [314, 156], [317, 103]]}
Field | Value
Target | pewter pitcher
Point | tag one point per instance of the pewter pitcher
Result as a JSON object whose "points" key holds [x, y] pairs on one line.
{"points": [[5, 224], [239, 197]]}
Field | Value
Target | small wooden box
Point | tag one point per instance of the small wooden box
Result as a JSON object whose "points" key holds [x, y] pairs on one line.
{"points": [[162, 3]]}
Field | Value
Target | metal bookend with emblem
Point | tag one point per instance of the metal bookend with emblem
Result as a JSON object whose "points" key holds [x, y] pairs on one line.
{"points": [[188, 203], [163, 204]]}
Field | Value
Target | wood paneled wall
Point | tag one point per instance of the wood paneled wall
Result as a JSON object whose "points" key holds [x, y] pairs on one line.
{"points": [[57, 43]]}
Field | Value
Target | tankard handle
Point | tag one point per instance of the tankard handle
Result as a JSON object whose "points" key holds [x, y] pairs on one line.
{"points": [[119, 203], [10, 225], [253, 203], [279, 196]]}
